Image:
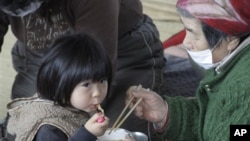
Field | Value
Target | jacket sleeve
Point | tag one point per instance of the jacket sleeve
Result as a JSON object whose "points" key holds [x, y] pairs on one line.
{"points": [[99, 18], [83, 134], [4, 23], [183, 118], [51, 133]]}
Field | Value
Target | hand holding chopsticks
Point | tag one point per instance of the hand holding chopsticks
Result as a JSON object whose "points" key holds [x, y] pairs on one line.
{"points": [[116, 124]]}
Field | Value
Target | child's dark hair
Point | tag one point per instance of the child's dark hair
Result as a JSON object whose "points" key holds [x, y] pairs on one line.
{"points": [[71, 60]]}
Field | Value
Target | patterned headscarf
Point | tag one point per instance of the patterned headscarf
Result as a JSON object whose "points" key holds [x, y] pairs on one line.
{"points": [[229, 16]]}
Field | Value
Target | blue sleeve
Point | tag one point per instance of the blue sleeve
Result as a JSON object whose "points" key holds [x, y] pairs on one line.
{"points": [[83, 134], [51, 133]]}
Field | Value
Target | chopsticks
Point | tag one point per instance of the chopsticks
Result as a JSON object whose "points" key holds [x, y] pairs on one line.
{"points": [[116, 124]]}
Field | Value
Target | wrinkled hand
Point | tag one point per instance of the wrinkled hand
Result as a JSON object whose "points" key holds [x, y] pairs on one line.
{"points": [[95, 127], [152, 108]]}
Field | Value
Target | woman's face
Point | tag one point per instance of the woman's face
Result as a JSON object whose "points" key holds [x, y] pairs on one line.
{"points": [[88, 94], [195, 39]]}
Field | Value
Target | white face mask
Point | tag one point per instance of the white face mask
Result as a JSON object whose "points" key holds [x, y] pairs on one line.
{"points": [[203, 58]]}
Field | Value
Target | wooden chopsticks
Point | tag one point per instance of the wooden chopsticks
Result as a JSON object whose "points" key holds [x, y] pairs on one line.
{"points": [[116, 124]]}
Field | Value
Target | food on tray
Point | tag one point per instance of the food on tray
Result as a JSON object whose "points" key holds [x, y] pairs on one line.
{"points": [[100, 108]]}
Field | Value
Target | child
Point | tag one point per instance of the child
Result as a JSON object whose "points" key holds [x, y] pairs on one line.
{"points": [[72, 81]]}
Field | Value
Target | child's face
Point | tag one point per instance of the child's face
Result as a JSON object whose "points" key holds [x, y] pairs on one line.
{"points": [[88, 94]]}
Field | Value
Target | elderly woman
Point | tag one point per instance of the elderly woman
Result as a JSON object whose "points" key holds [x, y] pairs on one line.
{"points": [[217, 39]]}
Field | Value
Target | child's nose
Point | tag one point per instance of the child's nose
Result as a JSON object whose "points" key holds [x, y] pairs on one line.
{"points": [[96, 91]]}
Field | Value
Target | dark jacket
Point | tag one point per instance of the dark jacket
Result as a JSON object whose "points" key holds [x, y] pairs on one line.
{"points": [[51, 133], [53, 18]]}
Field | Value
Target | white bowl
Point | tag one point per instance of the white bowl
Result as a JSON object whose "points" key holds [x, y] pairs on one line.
{"points": [[116, 135], [119, 135]]}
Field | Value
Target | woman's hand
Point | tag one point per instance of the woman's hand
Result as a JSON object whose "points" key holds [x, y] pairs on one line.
{"points": [[95, 126], [152, 108]]}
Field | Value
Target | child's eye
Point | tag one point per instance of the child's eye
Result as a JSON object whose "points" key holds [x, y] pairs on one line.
{"points": [[104, 81], [86, 84]]}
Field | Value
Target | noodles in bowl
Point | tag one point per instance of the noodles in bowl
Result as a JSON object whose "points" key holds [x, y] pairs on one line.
{"points": [[117, 135]]}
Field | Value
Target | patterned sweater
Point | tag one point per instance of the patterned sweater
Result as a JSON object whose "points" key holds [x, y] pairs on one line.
{"points": [[27, 115], [222, 99]]}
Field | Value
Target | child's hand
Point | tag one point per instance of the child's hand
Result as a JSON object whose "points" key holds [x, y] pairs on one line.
{"points": [[97, 124], [101, 118], [129, 138]]}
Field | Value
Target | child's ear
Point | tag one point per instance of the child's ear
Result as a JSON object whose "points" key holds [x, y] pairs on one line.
{"points": [[233, 43]]}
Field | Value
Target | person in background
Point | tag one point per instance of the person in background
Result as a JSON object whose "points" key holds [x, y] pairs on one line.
{"points": [[217, 39], [72, 82], [129, 36]]}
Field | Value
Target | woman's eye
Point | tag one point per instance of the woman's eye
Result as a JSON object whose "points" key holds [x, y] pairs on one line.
{"points": [[196, 38]]}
